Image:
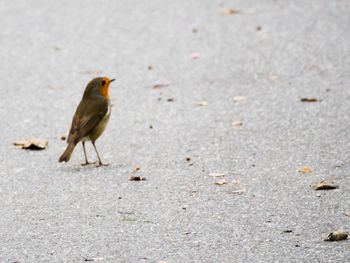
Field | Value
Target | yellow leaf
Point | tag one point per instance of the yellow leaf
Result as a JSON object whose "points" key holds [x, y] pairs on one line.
{"points": [[217, 174], [305, 169], [237, 123], [221, 182]]}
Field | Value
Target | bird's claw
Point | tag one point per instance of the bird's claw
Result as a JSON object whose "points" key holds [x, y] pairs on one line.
{"points": [[87, 163], [102, 164]]}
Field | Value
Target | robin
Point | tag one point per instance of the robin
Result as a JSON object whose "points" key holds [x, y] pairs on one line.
{"points": [[90, 118]]}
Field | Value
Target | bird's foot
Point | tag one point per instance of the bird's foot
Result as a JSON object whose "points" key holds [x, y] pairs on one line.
{"points": [[87, 163], [102, 164]]}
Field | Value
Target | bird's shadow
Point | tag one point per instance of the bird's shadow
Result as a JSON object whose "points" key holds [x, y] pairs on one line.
{"points": [[76, 168]]}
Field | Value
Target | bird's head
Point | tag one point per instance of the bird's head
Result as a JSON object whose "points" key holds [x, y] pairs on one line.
{"points": [[98, 86]]}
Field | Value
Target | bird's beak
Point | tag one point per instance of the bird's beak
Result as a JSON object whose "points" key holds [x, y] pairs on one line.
{"points": [[111, 80]]}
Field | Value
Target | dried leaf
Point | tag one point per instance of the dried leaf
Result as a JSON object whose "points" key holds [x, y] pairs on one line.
{"points": [[239, 191], [189, 232], [305, 169], [238, 98], [227, 11], [221, 182], [58, 48], [315, 67], [93, 259], [63, 138], [171, 99], [273, 77], [161, 84], [149, 67], [217, 174], [237, 123], [336, 236], [324, 185], [202, 103], [136, 170], [137, 178], [32, 143], [188, 159], [308, 99], [194, 55]]}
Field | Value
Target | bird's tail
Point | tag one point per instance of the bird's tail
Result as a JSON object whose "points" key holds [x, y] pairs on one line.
{"points": [[65, 157]]}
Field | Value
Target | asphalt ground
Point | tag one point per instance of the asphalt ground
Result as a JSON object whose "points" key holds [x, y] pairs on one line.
{"points": [[273, 54]]}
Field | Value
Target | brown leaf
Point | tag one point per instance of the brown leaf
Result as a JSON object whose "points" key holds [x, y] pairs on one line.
{"points": [[324, 185], [137, 178], [63, 138], [238, 98], [93, 259], [149, 67], [305, 169], [336, 236], [217, 174], [239, 191], [308, 99], [194, 55], [32, 143], [189, 232], [221, 182], [202, 103], [188, 159], [227, 11], [171, 99], [237, 123], [161, 84], [136, 169]]}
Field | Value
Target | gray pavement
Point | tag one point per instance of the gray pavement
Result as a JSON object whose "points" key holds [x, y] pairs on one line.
{"points": [[53, 212]]}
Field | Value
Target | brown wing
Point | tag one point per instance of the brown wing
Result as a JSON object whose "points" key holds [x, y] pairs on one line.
{"points": [[89, 113]]}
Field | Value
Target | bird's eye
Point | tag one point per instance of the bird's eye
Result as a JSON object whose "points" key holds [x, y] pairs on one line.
{"points": [[103, 82]]}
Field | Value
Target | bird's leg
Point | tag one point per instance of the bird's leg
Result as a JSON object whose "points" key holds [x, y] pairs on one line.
{"points": [[98, 156], [86, 160]]}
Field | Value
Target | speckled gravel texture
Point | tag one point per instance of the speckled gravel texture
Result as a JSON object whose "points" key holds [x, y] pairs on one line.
{"points": [[54, 212]]}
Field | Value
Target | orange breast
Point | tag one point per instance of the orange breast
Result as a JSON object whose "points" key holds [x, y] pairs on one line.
{"points": [[104, 89]]}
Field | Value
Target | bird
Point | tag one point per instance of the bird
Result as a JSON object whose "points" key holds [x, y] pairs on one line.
{"points": [[90, 118]]}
